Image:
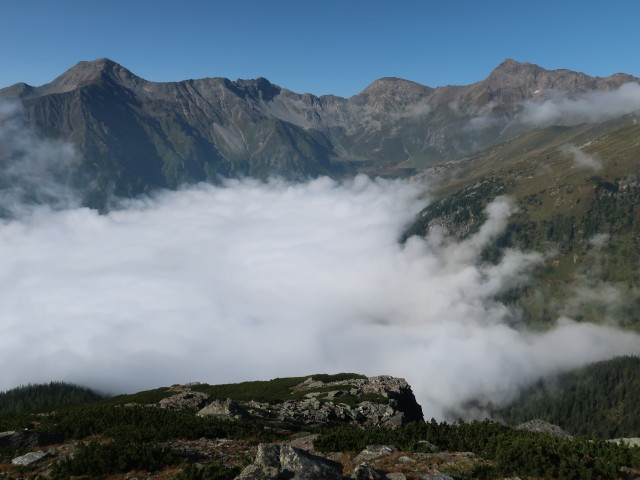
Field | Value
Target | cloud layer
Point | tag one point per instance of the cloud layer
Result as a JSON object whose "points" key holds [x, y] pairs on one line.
{"points": [[32, 170], [592, 107], [255, 281], [559, 109]]}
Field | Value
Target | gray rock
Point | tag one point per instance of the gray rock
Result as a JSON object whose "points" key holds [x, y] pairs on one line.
{"points": [[632, 442], [184, 400], [367, 472], [304, 442], [275, 462], [537, 425], [306, 466], [424, 446], [372, 452], [268, 455], [29, 458], [255, 472], [223, 409]]}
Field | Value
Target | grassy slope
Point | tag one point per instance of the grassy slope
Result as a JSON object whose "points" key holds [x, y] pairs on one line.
{"points": [[562, 207]]}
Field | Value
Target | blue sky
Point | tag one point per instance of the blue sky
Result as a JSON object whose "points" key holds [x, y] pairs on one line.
{"points": [[332, 46]]}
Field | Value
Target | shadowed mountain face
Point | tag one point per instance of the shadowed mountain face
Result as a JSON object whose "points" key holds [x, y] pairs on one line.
{"points": [[135, 135]]}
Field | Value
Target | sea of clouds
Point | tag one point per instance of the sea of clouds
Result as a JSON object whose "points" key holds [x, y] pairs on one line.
{"points": [[255, 280]]}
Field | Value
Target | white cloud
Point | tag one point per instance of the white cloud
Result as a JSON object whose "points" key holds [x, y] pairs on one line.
{"points": [[582, 159], [592, 107], [559, 109], [253, 281], [32, 170]]}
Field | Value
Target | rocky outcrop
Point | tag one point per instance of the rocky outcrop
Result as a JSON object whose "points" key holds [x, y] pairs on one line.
{"points": [[184, 400], [370, 402], [28, 438], [537, 425], [224, 409], [274, 462]]}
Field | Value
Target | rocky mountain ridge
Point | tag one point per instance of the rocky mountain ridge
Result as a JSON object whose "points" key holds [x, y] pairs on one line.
{"points": [[135, 135]]}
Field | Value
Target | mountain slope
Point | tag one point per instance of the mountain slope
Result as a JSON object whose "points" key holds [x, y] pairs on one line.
{"points": [[599, 399], [576, 190]]}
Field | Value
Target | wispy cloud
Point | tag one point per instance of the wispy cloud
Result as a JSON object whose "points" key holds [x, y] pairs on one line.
{"points": [[582, 159], [592, 107], [33, 171], [559, 109]]}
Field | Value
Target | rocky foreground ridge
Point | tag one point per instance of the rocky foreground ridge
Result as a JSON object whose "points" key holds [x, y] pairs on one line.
{"points": [[382, 401], [322, 427]]}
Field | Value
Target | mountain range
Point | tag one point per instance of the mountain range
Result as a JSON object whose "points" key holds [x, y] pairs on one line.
{"points": [[136, 135]]}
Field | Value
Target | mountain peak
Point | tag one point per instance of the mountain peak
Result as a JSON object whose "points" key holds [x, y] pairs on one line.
{"points": [[386, 85], [512, 67], [85, 72]]}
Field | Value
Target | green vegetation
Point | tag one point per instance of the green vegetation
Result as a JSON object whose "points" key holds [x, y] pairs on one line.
{"points": [[512, 452], [145, 424], [587, 222], [271, 391], [95, 458], [600, 399], [213, 471], [45, 397], [118, 439]]}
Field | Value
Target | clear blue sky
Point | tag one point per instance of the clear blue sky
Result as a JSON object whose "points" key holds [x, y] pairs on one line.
{"points": [[331, 46]]}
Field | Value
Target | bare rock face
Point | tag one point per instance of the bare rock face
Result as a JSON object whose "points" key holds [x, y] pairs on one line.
{"points": [[275, 461]]}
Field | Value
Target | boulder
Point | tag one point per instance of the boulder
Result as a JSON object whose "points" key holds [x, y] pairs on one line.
{"points": [[275, 462], [224, 409], [373, 452], [367, 472], [537, 425], [29, 458], [184, 400]]}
